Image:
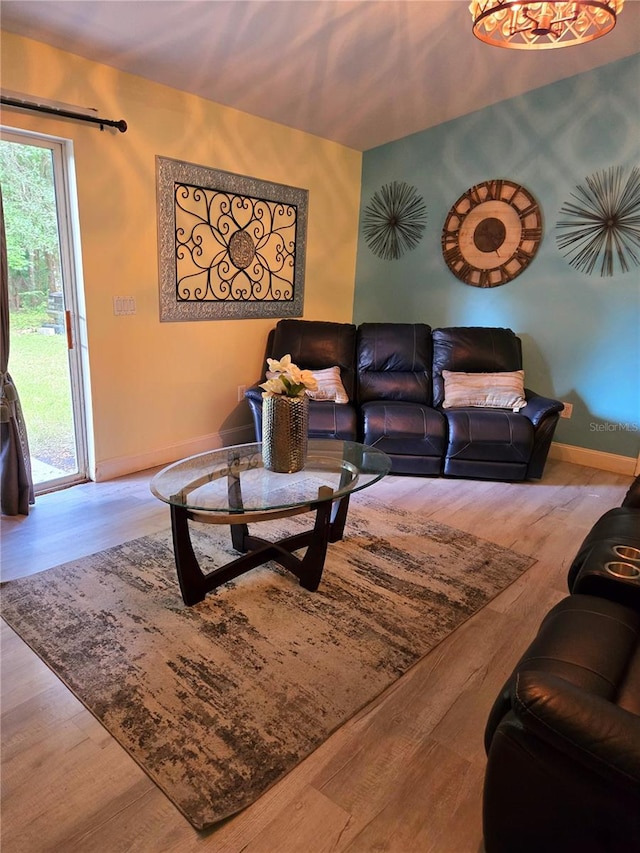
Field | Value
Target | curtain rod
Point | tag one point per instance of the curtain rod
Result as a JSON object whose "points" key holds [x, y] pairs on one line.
{"points": [[26, 105]]}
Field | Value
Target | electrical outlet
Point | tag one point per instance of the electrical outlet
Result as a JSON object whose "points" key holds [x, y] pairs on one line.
{"points": [[241, 390], [567, 411]]}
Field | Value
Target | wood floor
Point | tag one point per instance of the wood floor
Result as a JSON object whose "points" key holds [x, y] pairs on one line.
{"points": [[404, 776]]}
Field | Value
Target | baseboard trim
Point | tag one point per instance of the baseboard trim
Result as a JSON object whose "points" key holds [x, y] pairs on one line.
{"points": [[109, 469], [594, 458]]}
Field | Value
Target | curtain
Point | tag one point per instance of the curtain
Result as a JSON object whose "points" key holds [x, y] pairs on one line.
{"points": [[16, 481]]}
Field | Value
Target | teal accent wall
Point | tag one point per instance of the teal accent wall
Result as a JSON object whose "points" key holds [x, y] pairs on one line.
{"points": [[580, 332]]}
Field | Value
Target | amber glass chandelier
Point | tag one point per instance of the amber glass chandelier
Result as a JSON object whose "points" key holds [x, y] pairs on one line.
{"points": [[541, 26]]}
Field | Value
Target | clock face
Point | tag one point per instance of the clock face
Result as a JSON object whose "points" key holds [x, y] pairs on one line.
{"points": [[492, 233]]}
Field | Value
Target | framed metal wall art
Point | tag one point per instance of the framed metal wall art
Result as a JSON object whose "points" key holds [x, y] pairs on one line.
{"points": [[230, 246]]}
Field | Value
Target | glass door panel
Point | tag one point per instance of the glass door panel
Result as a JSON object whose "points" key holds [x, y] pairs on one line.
{"points": [[43, 361]]}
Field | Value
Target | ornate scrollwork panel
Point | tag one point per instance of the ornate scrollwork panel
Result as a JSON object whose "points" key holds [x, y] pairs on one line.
{"points": [[230, 246]]}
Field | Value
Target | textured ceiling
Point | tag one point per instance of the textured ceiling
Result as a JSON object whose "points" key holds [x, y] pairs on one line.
{"points": [[360, 73]]}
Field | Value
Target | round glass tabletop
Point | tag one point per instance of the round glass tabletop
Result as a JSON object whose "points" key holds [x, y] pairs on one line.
{"points": [[233, 479]]}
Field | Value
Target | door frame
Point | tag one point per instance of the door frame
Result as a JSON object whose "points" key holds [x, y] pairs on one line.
{"points": [[74, 302]]}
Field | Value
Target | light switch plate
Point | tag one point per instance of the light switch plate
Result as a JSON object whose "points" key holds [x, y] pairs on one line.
{"points": [[124, 305]]}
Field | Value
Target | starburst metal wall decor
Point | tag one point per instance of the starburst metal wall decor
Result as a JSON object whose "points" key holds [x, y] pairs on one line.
{"points": [[603, 223], [394, 220], [230, 247]]}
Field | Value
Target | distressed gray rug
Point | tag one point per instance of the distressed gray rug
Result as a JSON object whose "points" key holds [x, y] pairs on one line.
{"points": [[217, 702]]}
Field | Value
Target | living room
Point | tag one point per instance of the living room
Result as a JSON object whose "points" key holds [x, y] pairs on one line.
{"points": [[580, 333]]}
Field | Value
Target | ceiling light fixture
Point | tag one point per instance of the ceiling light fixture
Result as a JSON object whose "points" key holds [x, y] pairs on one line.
{"points": [[541, 26]]}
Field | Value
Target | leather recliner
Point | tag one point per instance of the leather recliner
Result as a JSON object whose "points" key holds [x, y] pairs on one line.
{"points": [[491, 443], [316, 345], [563, 736], [395, 397]]}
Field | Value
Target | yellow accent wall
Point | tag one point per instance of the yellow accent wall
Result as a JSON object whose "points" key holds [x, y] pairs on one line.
{"points": [[161, 390]]}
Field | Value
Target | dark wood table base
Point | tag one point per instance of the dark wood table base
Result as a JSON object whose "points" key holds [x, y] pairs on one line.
{"points": [[329, 525]]}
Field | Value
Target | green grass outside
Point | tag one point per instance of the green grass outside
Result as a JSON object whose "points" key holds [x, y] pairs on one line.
{"points": [[28, 318], [39, 367]]}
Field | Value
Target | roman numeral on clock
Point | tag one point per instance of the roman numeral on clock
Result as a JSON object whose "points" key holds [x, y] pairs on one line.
{"points": [[453, 255], [522, 256], [484, 279], [494, 190], [531, 233]]}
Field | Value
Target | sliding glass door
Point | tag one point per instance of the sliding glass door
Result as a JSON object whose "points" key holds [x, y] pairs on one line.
{"points": [[44, 297]]}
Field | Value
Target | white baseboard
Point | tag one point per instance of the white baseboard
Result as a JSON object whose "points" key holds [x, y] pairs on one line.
{"points": [[109, 469], [595, 459]]}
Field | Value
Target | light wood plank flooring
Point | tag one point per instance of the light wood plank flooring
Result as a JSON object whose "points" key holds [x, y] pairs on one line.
{"points": [[404, 776]]}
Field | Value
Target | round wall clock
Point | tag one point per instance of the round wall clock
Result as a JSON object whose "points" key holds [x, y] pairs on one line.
{"points": [[492, 233]]}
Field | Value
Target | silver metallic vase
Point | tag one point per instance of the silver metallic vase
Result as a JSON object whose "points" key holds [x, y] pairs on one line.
{"points": [[285, 428]]}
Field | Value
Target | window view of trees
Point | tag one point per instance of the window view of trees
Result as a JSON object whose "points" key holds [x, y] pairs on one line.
{"points": [[33, 250], [38, 360]]}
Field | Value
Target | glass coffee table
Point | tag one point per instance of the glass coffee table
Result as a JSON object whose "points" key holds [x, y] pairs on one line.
{"points": [[231, 486]]}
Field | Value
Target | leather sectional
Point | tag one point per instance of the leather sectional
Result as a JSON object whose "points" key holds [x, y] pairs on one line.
{"points": [[563, 737], [395, 376]]}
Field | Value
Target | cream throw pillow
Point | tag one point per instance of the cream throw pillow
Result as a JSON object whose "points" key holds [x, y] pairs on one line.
{"points": [[487, 390], [330, 386]]}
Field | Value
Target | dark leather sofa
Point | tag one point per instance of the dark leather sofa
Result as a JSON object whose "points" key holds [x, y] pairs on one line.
{"points": [[393, 375], [563, 737]]}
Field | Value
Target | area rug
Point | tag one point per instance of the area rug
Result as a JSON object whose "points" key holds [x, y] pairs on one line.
{"points": [[218, 701]]}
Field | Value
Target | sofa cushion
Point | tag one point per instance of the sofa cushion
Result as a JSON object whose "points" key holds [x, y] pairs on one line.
{"points": [[394, 362], [487, 444], [473, 349], [503, 390], [406, 429], [487, 435], [332, 420], [316, 345]]}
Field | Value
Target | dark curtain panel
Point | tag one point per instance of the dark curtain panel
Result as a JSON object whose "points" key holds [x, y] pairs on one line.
{"points": [[16, 482]]}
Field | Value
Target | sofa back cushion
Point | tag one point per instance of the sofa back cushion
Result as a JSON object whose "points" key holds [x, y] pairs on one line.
{"points": [[394, 362], [473, 349], [317, 345]]}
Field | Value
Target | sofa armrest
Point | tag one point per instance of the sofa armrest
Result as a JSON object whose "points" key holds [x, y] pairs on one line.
{"points": [[254, 393], [632, 498], [253, 396], [539, 407], [590, 729]]}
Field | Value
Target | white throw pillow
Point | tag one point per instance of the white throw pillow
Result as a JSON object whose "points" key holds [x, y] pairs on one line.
{"points": [[503, 390], [330, 386]]}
